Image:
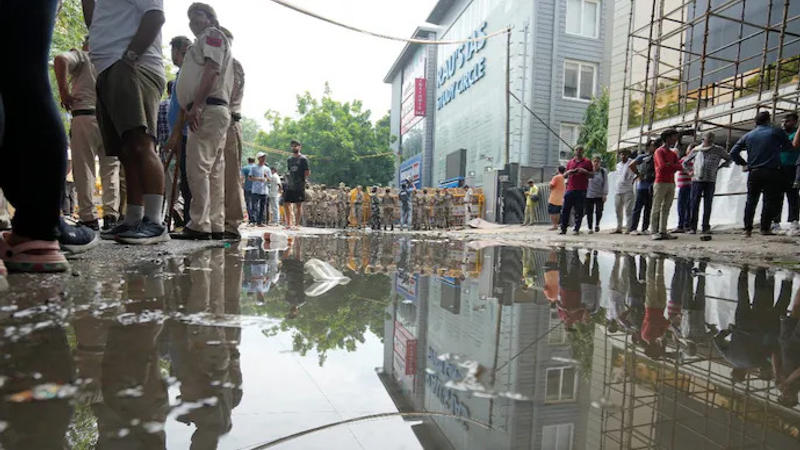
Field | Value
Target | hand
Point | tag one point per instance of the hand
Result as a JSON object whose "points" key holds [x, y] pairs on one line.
{"points": [[193, 117], [67, 100], [173, 143]]}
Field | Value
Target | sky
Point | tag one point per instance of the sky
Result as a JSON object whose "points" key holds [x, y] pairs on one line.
{"points": [[285, 53]]}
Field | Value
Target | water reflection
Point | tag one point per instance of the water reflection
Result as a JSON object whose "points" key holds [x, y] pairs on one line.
{"points": [[538, 348]]}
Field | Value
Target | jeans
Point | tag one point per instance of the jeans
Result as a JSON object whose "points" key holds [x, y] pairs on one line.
{"points": [[792, 197], [274, 209], [248, 203], [767, 182], [594, 206], [31, 132], [624, 206], [573, 199], [260, 207], [644, 201], [405, 216], [186, 193], [704, 190], [663, 194], [684, 207]]}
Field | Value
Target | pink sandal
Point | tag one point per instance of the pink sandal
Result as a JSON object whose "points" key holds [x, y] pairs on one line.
{"points": [[32, 256]]}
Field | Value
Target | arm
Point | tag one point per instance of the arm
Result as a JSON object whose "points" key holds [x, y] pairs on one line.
{"points": [[173, 143], [88, 11], [210, 74], [689, 159], [633, 168], [737, 149], [796, 140], [61, 67], [149, 27]]}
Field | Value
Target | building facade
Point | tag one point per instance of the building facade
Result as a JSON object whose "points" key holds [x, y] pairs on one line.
{"points": [[556, 61]]}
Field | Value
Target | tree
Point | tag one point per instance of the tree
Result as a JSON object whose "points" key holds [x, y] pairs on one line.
{"points": [[340, 140], [594, 131]]}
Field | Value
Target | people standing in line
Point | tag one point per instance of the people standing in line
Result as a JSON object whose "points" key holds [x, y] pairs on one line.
{"points": [[76, 77], [204, 90], [579, 171], [274, 197], [705, 161], [468, 194], [683, 181], [789, 158], [234, 200], [655, 325], [404, 195], [295, 193], [125, 43], [624, 197], [248, 188], [387, 209], [375, 210], [645, 170], [260, 176], [666, 164], [531, 200], [596, 194], [763, 145], [555, 201], [179, 46]]}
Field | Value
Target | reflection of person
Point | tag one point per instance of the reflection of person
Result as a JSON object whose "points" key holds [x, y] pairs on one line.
{"points": [[294, 271], [570, 306], [590, 283], [693, 315], [614, 303], [655, 325], [786, 362], [633, 316], [754, 334]]}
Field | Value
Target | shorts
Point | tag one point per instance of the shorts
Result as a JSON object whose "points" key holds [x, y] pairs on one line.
{"points": [[553, 209], [127, 99], [294, 196]]}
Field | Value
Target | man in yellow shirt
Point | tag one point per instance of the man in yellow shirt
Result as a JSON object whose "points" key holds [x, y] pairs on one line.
{"points": [[531, 200]]}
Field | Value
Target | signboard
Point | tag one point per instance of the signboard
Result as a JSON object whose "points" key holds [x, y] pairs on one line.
{"points": [[456, 61], [407, 285], [420, 97], [411, 169], [405, 349]]}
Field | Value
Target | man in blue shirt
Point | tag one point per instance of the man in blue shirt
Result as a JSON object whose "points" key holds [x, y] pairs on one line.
{"points": [[259, 176], [179, 45], [763, 146], [248, 186]]}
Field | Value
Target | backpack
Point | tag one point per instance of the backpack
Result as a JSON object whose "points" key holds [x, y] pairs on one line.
{"points": [[647, 168]]}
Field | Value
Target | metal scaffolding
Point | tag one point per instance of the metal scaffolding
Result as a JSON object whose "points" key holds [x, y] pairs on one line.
{"points": [[692, 81]]}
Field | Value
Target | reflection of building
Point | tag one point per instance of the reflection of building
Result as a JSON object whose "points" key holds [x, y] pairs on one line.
{"points": [[558, 62]]}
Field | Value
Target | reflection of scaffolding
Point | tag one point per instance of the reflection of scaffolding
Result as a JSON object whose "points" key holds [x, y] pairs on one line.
{"points": [[684, 402], [694, 80]]}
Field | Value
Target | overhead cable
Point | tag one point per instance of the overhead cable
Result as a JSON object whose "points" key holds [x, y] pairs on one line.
{"points": [[386, 36]]}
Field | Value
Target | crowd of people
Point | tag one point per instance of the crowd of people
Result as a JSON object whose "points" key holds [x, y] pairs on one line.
{"points": [[647, 183]]}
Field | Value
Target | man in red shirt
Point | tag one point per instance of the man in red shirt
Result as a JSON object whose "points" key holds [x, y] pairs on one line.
{"points": [[666, 164], [579, 170]]}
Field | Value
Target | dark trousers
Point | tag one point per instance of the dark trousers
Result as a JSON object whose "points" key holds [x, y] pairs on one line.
{"points": [[702, 190], [248, 203], [684, 207], [644, 203], [594, 207], [260, 208], [792, 196], [184, 184], [573, 200], [31, 132], [767, 182]]}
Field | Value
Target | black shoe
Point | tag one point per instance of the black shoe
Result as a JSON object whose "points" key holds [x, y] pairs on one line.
{"points": [[562, 232], [216, 235], [230, 236], [190, 235], [76, 238], [93, 224], [109, 222]]}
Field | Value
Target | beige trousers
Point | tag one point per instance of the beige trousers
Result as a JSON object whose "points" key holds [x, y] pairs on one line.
{"points": [[87, 144], [234, 193], [205, 170], [663, 194]]}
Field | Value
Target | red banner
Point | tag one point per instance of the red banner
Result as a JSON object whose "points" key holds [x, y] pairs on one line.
{"points": [[420, 97]]}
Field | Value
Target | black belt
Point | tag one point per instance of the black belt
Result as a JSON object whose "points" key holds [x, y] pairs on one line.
{"points": [[213, 101], [236, 117], [83, 112]]}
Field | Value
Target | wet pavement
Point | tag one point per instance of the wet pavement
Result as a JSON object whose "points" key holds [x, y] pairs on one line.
{"points": [[370, 341]]}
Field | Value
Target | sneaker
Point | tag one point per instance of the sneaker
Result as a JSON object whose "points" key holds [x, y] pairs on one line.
{"points": [[562, 232], [145, 233], [645, 232], [767, 233], [634, 232], [657, 237], [112, 233], [596, 229], [590, 231], [678, 231], [109, 222], [691, 232], [577, 232], [669, 237], [706, 232], [93, 224], [216, 235], [76, 238], [748, 233], [617, 231], [189, 234], [231, 236], [776, 228], [626, 232], [794, 229]]}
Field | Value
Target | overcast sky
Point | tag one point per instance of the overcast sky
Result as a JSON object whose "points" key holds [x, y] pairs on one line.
{"points": [[285, 53]]}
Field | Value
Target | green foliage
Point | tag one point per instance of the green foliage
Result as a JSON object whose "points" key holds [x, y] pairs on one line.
{"points": [[340, 140], [594, 131]]}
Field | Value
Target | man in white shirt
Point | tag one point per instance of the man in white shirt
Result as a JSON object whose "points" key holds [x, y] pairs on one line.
{"points": [[625, 195], [274, 196]]}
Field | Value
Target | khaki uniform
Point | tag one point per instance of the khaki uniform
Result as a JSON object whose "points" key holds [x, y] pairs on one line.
{"points": [[388, 203], [234, 193], [430, 209], [86, 141], [341, 208], [205, 162]]}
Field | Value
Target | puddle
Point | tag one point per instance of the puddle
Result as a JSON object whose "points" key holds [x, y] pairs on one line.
{"points": [[391, 342]]}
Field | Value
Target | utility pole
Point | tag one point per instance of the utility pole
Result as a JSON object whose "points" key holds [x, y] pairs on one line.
{"points": [[508, 98]]}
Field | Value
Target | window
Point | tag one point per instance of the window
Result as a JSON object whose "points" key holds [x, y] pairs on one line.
{"points": [[561, 384], [583, 17], [570, 133], [579, 80], [559, 335], [557, 437]]}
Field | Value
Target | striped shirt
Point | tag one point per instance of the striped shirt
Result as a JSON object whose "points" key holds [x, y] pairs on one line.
{"points": [[683, 177], [705, 161]]}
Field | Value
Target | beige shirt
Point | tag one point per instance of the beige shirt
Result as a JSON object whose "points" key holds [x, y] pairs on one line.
{"points": [[82, 80], [238, 87], [210, 45]]}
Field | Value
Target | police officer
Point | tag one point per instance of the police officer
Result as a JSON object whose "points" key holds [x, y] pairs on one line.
{"points": [[388, 204], [234, 196], [341, 206], [448, 208], [78, 96], [375, 210], [204, 89], [356, 200]]}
